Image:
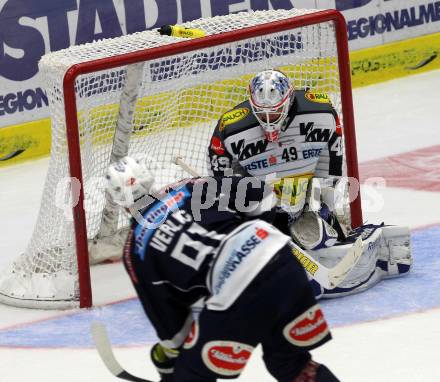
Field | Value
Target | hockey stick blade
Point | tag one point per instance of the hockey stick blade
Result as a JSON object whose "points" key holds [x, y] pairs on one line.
{"points": [[329, 278], [338, 273], [104, 347]]}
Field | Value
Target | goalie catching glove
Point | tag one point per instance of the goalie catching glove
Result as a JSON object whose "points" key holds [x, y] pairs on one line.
{"points": [[319, 226], [312, 232], [128, 181]]}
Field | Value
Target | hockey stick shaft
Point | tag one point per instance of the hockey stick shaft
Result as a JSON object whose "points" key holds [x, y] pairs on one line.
{"points": [[179, 161], [104, 347], [121, 142], [329, 278]]}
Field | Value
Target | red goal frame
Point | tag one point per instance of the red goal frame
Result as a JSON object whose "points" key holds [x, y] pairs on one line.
{"points": [[72, 128]]}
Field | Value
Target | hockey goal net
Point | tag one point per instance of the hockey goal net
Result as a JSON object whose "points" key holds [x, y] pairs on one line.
{"points": [[159, 96]]}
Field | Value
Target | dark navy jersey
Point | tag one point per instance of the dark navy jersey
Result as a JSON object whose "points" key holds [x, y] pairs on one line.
{"points": [[170, 251]]}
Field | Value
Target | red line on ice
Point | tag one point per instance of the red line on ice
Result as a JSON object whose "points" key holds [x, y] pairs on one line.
{"points": [[418, 169]]}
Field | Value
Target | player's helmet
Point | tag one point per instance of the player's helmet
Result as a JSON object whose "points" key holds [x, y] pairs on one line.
{"points": [[128, 180], [270, 96]]}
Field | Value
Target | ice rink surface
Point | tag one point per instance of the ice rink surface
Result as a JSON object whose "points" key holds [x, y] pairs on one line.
{"points": [[390, 333]]}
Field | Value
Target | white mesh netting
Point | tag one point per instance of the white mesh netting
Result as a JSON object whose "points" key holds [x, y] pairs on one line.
{"points": [[178, 101]]}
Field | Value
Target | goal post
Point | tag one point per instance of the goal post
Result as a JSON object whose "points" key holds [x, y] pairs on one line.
{"points": [[159, 96]]}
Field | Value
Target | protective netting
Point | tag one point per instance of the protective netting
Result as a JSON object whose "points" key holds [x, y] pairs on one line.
{"points": [[178, 100]]}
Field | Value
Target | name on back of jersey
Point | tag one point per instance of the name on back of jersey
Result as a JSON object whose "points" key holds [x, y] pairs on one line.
{"points": [[165, 233]]}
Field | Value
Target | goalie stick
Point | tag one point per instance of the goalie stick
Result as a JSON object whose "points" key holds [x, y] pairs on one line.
{"points": [[179, 161], [104, 347], [329, 278]]}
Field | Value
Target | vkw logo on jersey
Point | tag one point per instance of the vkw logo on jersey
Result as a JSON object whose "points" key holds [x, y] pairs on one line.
{"points": [[226, 358], [317, 97], [314, 134], [233, 116], [246, 151], [307, 329]]}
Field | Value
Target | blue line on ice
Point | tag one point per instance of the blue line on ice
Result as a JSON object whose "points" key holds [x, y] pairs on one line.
{"points": [[128, 326]]}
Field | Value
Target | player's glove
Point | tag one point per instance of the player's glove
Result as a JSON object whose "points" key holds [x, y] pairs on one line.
{"points": [[315, 372], [164, 359]]}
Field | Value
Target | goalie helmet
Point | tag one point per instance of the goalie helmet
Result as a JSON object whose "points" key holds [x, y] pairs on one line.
{"points": [[128, 180], [270, 96]]}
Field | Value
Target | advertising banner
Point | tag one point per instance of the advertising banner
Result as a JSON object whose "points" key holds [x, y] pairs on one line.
{"points": [[375, 22]]}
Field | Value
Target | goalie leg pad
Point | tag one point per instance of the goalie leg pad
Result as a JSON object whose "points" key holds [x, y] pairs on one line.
{"points": [[395, 254], [107, 248], [386, 254]]}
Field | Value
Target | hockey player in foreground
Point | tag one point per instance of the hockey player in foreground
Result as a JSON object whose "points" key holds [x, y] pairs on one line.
{"points": [[255, 291], [293, 139]]}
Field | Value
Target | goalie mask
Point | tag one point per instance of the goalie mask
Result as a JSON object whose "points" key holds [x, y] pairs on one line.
{"points": [[270, 96], [128, 180]]}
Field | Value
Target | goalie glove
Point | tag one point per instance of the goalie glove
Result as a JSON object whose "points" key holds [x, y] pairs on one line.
{"points": [[312, 232], [329, 197], [128, 180], [164, 359]]}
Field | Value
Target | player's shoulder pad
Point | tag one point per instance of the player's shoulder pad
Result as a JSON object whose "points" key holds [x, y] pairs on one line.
{"points": [[309, 101], [237, 119]]}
